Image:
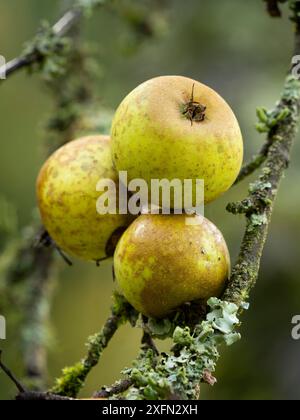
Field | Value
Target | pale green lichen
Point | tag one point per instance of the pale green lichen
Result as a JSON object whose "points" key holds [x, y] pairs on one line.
{"points": [[194, 355], [259, 186], [270, 119], [160, 328], [48, 51], [258, 219]]}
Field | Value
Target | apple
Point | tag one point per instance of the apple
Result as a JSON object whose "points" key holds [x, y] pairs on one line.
{"points": [[67, 198], [173, 127], [162, 262]]}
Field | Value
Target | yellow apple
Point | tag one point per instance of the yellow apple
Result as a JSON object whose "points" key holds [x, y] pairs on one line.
{"points": [[161, 262], [173, 127], [67, 199]]}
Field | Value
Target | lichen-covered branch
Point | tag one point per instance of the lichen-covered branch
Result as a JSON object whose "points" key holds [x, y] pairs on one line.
{"points": [[24, 394], [47, 49], [30, 274], [178, 376], [40, 396], [267, 123], [73, 378], [10, 375], [255, 163], [118, 388], [258, 206], [50, 42], [281, 127]]}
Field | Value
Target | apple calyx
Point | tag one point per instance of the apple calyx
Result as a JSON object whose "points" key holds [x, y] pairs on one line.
{"points": [[193, 110]]}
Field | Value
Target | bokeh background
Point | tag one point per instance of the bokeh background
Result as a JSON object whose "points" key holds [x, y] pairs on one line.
{"points": [[237, 49]]}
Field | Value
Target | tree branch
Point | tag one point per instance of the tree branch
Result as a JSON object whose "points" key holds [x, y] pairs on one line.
{"points": [[11, 376], [73, 378], [148, 343], [41, 396], [32, 267], [263, 193], [115, 389], [37, 308], [255, 163], [60, 29], [30, 276]]}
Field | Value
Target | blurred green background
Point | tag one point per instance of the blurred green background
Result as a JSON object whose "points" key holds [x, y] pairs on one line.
{"points": [[237, 49]]}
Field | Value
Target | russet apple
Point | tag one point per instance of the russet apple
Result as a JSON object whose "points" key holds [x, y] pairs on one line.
{"points": [[173, 127], [67, 197], [162, 262]]}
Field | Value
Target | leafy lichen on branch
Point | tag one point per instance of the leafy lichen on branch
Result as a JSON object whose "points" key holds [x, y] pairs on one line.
{"points": [[194, 358]]}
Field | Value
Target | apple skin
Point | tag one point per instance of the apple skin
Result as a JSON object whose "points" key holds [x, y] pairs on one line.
{"points": [[161, 262], [152, 139], [67, 196]]}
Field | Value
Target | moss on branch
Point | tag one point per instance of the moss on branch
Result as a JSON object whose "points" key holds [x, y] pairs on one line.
{"points": [[73, 378], [258, 206]]}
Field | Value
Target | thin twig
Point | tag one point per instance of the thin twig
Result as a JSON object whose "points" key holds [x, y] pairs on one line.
{"points": [[73, 378], [255, 163], [45, 240], [148, 343], [31, 273], [60, 28], [41, 396], [115, 389], [67, 22], [11, 376], [37, 307], [147, 340]]}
